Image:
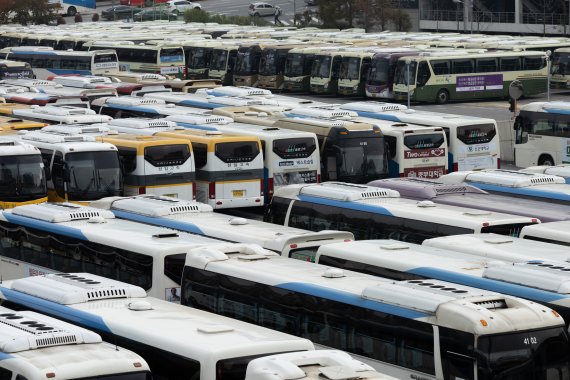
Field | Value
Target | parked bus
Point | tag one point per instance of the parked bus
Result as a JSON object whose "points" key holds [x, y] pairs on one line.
{"points": [[560, 68], [379, 82], [354, 68], [198, 218], [439, 80], [542, 134], [541, 187], [413, 151], [36, 347], [553, 232], [466, 195], [95, 242], [164, 59], [73, 7], [22, 176], [79, 169], [15, 70], [8, 124], [55, 89], [562, 170], [529, 276], [350, 151], [46, 62], [289, 156], [178, 342], [223, 62], [97, 82], [52, 114], [229, 168], [325, 71], [248, 58], [406, 329], [272, 64], [297, 70], [473, 142], [375, 213], [130, 106]]}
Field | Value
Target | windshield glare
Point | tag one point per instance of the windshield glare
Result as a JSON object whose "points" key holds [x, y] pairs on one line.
{"points": [[93, 175], [294, 65], [560, 63], [321, 67], [22, 178], [360, 158], [219, 60], [245, 63], [379, 72], [350, 68], [268, 63], [401, 75], [197, 58]]}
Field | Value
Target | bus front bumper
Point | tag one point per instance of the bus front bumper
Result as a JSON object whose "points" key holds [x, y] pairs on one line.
{"points": [[319, 88], [347, 90]]}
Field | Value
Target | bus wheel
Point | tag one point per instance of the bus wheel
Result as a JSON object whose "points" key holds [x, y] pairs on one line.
{"points": [[545, 159], [71, 11], [442, 96]]}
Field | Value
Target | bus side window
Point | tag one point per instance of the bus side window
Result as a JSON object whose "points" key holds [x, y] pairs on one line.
{"points": [[486, 65], [423, 74], [510, 64], [441, 67], [391, 142], [5, 374]]}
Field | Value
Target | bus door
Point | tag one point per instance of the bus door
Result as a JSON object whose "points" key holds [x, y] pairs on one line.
{"points": [[335, 74]]}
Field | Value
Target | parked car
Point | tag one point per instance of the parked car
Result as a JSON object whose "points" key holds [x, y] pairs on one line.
{"points": [[180, 6], [119, 12], [261, 9], [155, 14]]}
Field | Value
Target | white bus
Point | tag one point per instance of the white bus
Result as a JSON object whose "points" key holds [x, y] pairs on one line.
{"points": [[95, 242], [553, 232], [542, 134], [413, 150], [15, 70], [418, 329], [56, 89], [47, 62], [35, 347], [562, 170], [52, 114], [198, 218], [178, 342], [78, 168], [377, 213], [473, 142], [289, 156]]}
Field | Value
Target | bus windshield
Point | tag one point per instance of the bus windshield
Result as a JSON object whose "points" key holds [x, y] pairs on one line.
{"points": [[505, 229], [379, 72], [22, 178], [245, 63], [294, 65], [361, 159], [240, 151], [476, 134], [219, 59], [167, 155], [321, 67], [171, 55], [539, 354], [93, 175], [350, 68], [197, 58], [561, 63], [401, 74], [268, 62], [431, 140]]}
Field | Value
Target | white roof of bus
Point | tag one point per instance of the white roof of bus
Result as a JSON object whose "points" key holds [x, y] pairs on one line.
{"points": [[105, 229], [510, 179], [175, 328], [251, 231], [558, 231], [65, 144], [399, 207], [11, 148], [451, 307], [546, 106], [562, 170], [499, 246]]}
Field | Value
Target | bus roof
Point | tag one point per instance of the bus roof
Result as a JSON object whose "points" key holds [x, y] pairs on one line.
{"points": [[556, 231], [172, 327], [556, 107], [500, 246], [445, 304], [466, 195], [197, 218], [16, 148], [388, 202], [562, 170]]}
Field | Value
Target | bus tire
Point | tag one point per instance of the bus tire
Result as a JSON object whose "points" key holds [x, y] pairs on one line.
{"points": [[71, 11], [546, 159], [442, 96]]}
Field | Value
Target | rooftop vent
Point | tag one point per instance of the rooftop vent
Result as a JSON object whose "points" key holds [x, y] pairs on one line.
{"points": [[75, 288], [60, 212], [372, 106], [549, 276], [513, 178], [347, 192], [142, 123], [127, 101]]}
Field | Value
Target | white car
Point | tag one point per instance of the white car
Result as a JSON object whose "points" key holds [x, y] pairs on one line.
{"points": [[261, 9], [180, 6]]}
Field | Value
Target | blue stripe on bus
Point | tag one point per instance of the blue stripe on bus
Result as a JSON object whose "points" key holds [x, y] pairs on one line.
{"points": [[81, 3], [393, 169], [523, 191], [4, 356], [31, 52], [449, 161], [196, 126], [378, 115], [132, 108], [351, 299], [201, 104], [54, 309], [159, 221], [44, 226], [68, 72], [374, 209], [521, 291], [556, 110]]}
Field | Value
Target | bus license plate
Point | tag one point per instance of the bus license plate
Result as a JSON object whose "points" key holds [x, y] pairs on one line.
{"points": [[238, 193]]}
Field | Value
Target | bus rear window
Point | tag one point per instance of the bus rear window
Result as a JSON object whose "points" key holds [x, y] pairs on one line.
{"points": [[513, 230], [171, 55], [167, 155], [294, 148], [432, 140], [104, 58], [476, 134], [240, 151]]}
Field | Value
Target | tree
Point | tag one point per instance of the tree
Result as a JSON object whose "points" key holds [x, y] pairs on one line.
{"points": [[338, 13], [32, 11], [401, 20], [378, 12]]}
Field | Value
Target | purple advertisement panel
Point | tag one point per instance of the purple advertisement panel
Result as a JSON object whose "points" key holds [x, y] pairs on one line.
{"points": [[480, 82]]}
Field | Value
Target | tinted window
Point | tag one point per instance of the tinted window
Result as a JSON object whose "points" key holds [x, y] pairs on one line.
{"points": [[424, 141], [200, 154], [5, 374], [173, 266], [441, 67], [167, 155], [476, 134], [240, 151], [532, 63], [505, 229], [128, 157], [559, 242], [367, 268], [463, 66], [510, 64], [171, 55], [486, 65], [277, 211], [294, 147]]}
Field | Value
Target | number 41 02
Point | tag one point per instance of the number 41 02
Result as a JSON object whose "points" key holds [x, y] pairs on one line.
{"points": [[531, 340]]}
